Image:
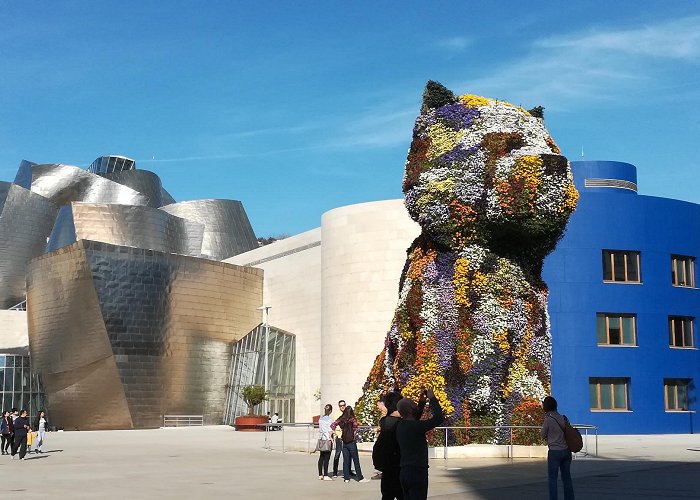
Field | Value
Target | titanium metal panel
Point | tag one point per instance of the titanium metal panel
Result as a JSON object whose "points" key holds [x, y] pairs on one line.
{"points": [[128, 225], [227, 230], [154, 327], [26, 220], [24, 174], [143, 181], [65, 183]]}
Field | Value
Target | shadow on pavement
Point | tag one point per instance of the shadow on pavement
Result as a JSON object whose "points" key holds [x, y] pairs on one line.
{"points": [[592, 478]]}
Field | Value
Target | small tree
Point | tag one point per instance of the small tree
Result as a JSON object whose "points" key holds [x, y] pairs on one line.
{"points": [[253, 395]]}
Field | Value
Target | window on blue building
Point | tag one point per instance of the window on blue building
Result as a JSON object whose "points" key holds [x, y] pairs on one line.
{"points": [[683, 271], [616, 329], [680, 331], [676, 393], [621, 266], [609, 394]]}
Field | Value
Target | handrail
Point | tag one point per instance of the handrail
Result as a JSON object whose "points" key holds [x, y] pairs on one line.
{"points": [[183, 420], [311, 425]]}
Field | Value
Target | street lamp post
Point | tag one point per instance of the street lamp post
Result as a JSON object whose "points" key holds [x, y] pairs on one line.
{"points": [[266, 375]]}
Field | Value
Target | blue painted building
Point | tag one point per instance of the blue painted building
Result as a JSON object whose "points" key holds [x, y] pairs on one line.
{"points": [[623, 303]]}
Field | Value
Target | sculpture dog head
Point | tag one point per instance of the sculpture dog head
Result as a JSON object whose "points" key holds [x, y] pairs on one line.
{"points": [[483, 171]]}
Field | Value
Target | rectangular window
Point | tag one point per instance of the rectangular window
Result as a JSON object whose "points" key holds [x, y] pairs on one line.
{"points": [[680, 331], [676, 394], [610, 394], [621, 266], [616, 329], [683, 271]]}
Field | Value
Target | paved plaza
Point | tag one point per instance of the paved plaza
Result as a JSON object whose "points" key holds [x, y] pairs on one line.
{"points": [[216, 462]]}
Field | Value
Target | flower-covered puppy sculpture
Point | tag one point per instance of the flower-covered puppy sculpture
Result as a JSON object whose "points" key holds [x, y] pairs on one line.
{"points": [[493, 195]]}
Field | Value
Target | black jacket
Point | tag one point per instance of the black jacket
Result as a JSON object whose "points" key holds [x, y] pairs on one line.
{"points": [[20, 429]]}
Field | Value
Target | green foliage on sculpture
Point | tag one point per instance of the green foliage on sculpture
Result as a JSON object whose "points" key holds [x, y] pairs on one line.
{"points": [[493, 196]]}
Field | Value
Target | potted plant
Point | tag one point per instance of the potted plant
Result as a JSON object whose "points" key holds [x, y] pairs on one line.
{"points": [[253, 395]]}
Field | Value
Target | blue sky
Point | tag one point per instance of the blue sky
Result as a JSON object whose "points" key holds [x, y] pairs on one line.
{"points": [[296, 108]]}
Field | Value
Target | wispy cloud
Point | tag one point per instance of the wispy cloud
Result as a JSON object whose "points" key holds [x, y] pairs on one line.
{"points": [[453, 44], [679, 38], [598, 65]]}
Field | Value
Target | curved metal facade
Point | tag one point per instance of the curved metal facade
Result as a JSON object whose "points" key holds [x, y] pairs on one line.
{"points": [[227, 230], [128, 225], [144, 182], [26, 220], [122, 336], [65, 183]]}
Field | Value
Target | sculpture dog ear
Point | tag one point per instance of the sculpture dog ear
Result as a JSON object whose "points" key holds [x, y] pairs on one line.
{"points": [[436, 95]]}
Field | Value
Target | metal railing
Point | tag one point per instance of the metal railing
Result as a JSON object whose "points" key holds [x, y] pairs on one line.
{"points": [[183, 420], [22, 306], [584, 427], [271, 427]]}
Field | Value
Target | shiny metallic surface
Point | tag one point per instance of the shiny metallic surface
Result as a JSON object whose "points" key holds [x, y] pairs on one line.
{"points": [[143, 181], [26, 220], [122, 336], [107, 164], [227, 230], [65, 183], [128, 225], [24, 174]]}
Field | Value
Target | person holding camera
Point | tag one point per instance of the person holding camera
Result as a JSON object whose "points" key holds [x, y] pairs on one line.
{"points": [[410, 434]]}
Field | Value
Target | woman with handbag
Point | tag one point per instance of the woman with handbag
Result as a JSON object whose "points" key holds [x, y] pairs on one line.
{"points": [[325, 443]]}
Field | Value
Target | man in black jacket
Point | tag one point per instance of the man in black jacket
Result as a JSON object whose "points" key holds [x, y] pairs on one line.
{"points": [[410, 433], [21, 425]]}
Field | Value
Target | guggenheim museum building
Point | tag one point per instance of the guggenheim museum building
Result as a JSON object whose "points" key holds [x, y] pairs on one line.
{"points": [[121, 304]]}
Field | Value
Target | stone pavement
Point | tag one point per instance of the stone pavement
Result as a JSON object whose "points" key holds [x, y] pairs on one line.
{"points": [[216, 462]]}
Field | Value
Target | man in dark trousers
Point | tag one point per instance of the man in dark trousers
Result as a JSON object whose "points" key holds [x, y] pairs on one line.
{"points": [[410, 433], [21, 425]]}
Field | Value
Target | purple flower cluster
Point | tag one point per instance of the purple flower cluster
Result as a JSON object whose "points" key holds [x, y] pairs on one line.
{"points": [[457, 116]]}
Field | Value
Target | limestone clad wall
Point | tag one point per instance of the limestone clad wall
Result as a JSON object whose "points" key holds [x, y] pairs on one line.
{"points": [[364, 251], [292, 287]]}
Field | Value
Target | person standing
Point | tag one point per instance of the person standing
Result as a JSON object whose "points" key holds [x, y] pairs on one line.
{"points": [[6, 432], [410, 434], [338, 442], [386, 454], [21, 425], [40, 425], [558, 456], [348, 426], [325, 433]]}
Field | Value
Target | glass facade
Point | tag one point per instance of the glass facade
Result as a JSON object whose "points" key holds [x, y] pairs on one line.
{"points": [[247, 368], [19, 387], [109, 164]]}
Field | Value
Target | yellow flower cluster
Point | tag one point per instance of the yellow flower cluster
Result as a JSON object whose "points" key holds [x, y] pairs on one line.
{"points": [[474, 100], [442, 190], [442, 140], [516, 372], [501, 339], [570, 198], [428, 379], [461, 282], [528, 168]]}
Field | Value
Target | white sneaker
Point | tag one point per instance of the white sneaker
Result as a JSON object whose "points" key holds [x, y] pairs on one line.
{"points": [[365, 480], [320, 478], [346, 480], [326, 478]]}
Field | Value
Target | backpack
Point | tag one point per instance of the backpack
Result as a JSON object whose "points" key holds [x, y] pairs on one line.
{"points": [[386, 453], [572, 436]]}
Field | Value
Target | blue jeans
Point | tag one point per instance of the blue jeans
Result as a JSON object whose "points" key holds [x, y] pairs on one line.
{"points": [[560, 459], [350, 451]]}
